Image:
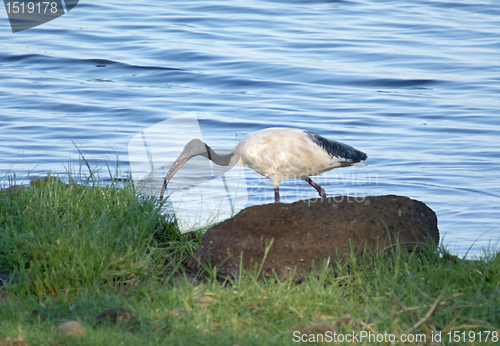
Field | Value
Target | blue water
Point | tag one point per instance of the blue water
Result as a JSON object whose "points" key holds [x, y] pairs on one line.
{"points": [[415, 85]]}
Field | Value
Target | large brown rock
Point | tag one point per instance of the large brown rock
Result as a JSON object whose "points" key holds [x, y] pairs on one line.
{"points": [[313, 230]]}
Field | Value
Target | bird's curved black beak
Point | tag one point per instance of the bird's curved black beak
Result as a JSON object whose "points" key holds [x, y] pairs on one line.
{"points": [[178, 163], [193, 148]]}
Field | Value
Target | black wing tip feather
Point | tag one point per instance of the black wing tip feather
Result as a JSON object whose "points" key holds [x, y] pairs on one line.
{"points": [[334, 148]]}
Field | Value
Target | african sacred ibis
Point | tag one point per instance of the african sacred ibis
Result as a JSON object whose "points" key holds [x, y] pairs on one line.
{"points": [[277, 153]]}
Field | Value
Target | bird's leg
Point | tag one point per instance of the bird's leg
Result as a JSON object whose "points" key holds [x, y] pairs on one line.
{"points": [[321, 191], [277, 195]]}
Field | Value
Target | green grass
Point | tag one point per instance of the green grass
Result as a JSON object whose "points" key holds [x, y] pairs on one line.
{"points": [[69, 252]]}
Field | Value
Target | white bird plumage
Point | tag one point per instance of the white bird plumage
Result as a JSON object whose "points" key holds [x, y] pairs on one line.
{"points": [[277, 153]]}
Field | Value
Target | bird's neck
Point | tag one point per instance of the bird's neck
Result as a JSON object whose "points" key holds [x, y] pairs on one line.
{"points": [[222, 160]]}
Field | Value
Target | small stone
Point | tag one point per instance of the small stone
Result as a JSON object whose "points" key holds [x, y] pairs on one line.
{"points": [[8, 341], [204, 300], [71, 328]]}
